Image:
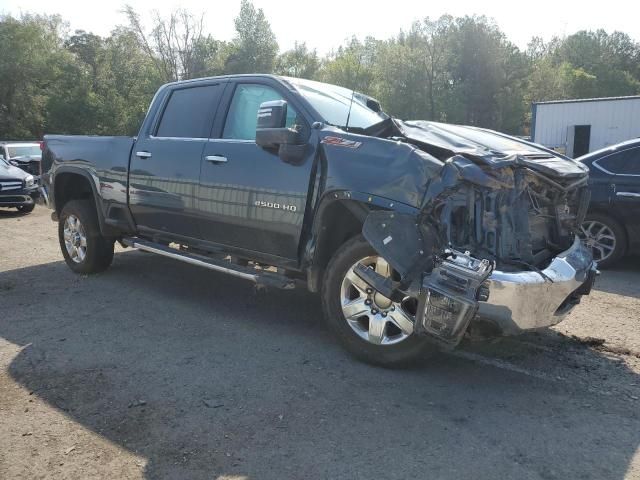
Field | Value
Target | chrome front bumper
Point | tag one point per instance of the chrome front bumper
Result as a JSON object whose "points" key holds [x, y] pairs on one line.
{"points": [[520, 301]]}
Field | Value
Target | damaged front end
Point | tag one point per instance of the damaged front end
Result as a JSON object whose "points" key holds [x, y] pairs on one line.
{"points": [[494, 240]]}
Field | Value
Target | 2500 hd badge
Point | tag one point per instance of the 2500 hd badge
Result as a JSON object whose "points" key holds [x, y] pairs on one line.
{"points": [[276, 205]]}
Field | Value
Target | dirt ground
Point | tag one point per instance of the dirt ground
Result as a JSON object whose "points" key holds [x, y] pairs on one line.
{"points": [[157, 369]]}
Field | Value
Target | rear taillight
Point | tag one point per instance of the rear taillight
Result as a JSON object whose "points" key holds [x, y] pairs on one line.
{"points": [[42, 145]]}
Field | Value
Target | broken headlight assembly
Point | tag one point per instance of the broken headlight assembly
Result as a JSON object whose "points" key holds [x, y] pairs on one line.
{"points": [[29, 181], [449, 296]]}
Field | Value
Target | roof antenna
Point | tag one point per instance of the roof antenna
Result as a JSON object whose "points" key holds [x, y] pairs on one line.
{"points": [[353, 91]]}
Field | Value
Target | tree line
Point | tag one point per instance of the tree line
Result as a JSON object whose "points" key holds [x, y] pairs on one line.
{"points": [[451, 69]]}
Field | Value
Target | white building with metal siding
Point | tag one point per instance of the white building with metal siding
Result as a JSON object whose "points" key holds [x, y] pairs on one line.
{"points": [[576, 127]]}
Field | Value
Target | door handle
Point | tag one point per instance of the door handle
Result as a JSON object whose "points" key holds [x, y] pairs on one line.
{"points": [[143, 154], [628, 194], [216, 159]]}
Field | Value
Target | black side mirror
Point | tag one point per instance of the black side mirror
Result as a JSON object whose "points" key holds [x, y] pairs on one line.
{"points": [[272, 114], [271, 130]]}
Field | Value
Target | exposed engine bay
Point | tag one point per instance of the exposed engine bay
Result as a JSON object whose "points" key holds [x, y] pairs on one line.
{"points": [[513, 215]]}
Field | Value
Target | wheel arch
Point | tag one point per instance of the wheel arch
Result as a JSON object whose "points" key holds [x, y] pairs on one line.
{"points": [[75, 184], [340, 217], [336, 221]]}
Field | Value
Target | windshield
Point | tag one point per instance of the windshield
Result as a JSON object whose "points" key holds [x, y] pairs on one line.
{"points": [[23, 151], [332, 102]]}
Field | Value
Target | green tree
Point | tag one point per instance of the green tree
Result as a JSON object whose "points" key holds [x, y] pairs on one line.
{"points": [[254, 49], [298, 62], [127, 84], [32, 56], [353, 66], [412, 74], [474, 63], [106, 89], [583, 65], [611, 59], [176, 44]]}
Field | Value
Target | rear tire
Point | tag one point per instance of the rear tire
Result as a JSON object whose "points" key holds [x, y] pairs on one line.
{"points": [[84, 248], [401, 353]]}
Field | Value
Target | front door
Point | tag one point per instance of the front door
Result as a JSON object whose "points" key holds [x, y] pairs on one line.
{"points": [[165, 164], [250, 198]]}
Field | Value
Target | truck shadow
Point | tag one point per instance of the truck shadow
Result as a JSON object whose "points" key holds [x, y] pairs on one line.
{"points": [[621, 279], [205, 377], [10, 213]]}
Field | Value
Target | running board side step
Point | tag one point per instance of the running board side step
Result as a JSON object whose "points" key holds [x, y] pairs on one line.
{"points": [[260, 277]]}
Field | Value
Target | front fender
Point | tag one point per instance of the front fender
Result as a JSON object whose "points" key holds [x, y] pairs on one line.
{"points": [[376, 167]]}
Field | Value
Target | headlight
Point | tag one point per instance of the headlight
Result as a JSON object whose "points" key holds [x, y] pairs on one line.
{"points": [[29, 181]]}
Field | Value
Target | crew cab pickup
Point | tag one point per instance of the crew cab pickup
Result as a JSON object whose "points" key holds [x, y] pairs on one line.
{"points": [[413, 232]]}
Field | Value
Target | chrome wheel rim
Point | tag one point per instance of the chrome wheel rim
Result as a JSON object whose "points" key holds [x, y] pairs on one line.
{"points": [[373, 317], [75, 239], [599, 238]]}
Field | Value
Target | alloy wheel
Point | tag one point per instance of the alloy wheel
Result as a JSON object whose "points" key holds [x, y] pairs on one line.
{"points": [[75, 239], [372, 316], [599, 238]]}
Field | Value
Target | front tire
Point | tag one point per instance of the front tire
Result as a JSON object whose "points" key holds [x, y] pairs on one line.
{"points": [[84, 248], [370, 326]]}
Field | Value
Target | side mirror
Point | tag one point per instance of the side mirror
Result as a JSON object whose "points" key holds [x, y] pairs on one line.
{"points": [[272, 114], [271, 130]]}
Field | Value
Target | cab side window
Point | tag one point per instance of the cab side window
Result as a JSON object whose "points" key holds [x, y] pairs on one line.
{"points": [[243, 112], [189, 112], [626, 162]]}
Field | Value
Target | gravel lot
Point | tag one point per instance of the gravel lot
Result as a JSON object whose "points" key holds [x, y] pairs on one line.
{"points": [[157, 369]]}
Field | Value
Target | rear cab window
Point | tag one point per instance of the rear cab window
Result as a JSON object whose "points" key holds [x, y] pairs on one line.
{"points": [[189, 112]]}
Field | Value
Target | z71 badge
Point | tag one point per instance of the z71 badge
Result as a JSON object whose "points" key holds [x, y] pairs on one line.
{"points": [[277, 206], [340, 142]]}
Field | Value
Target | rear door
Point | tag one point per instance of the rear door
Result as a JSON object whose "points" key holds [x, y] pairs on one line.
{"points": [[165, 162], [625, 167], [249, 197]]}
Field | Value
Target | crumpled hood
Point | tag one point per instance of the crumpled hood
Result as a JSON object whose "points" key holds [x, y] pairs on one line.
{"points": [[489, 148], [9, 172]]}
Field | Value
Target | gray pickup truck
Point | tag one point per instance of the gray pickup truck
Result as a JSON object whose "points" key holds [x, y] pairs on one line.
{"points": [[413, 232]]}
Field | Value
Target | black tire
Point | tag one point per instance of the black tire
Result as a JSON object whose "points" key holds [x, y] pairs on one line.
{"points": [[25, 209], [618, 232], [406, 352], [99, 250]]}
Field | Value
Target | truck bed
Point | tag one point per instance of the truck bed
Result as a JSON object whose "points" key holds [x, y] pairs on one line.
{"points": [[104, 159]]}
